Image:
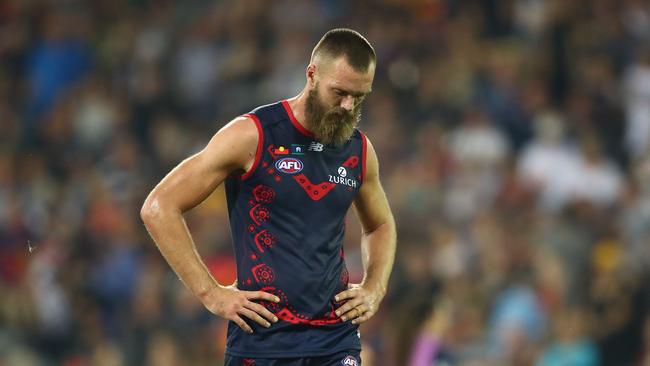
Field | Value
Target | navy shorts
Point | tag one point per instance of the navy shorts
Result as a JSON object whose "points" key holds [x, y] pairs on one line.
{"points": [[345, 358]]}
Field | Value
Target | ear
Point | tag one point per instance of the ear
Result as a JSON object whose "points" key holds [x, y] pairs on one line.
{"points": [[311, 75]]}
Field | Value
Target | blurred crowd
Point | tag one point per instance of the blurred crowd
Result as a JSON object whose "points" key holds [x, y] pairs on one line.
{"points": [[513, 138]]}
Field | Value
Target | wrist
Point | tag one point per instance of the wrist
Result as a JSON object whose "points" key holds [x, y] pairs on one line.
{"points": [[374, 287], [208, 292]]}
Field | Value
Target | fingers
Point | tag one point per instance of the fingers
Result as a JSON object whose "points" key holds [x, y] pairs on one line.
{"points": [[261, 295], [363, 308], [351, 314], [250, 314], [343, 310], [347, 294], [363, 318], [233, 304], [363, 311], [242, 324], [358, 314], [254, 311], [262, 311]]}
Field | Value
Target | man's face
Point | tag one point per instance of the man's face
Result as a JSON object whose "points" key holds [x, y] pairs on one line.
{"points": [[334, 102]]}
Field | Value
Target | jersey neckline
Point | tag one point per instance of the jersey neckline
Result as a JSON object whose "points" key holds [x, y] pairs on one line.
{"points": [[294, 121]]}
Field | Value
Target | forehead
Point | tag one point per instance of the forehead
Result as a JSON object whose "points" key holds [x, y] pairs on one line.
{"points": [[339, 74]]}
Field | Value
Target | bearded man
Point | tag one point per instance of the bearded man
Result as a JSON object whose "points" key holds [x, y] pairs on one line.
{"points": [[292, 170]]}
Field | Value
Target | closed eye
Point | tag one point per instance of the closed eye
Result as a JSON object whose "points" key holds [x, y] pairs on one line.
{"points": [[343, 93]]}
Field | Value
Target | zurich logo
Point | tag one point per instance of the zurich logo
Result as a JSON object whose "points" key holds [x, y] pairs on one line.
{"points": [[349, 361], [289, 165], [342, 172]]}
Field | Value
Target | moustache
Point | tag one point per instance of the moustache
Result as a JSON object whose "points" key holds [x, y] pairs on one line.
{"points": [[340, 114]]}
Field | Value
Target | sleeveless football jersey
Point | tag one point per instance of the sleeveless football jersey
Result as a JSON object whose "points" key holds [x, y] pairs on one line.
{"points": [[287, 220]]}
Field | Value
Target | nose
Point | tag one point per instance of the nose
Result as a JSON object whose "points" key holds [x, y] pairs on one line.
{"points": [[347, 103]]}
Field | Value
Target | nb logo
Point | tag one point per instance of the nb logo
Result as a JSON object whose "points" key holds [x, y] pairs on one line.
{"points": [[315, 146]]}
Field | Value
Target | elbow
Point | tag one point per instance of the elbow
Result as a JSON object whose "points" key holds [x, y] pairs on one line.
{"points": [[155, 210], [150, 210]]}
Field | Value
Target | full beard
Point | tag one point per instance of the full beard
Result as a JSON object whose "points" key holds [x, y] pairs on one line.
{"points": [[330, 127]]}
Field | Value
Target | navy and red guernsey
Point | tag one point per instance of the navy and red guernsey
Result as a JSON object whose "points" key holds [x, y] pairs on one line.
{"points": [[287, 218]]}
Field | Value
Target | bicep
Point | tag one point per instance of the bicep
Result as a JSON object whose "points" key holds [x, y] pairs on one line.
{"points": [[371, 204], [193, 180]]}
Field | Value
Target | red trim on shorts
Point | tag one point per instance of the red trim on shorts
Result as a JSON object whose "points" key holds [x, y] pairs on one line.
{"points": [[260, 145], [295, 122], [364, 148]]}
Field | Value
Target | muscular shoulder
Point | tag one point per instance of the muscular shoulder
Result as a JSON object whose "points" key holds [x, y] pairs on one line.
{"points": [[234, 146], [372, 163], [241, 130]]}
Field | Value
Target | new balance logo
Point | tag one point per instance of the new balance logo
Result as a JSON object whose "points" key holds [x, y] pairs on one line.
{"points": [[315, 146]]}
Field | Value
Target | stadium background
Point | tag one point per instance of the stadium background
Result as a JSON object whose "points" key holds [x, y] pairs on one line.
{"points": [[513, 138]]}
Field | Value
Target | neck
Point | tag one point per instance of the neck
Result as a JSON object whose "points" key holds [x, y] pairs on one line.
{"points": [[298, 106]]}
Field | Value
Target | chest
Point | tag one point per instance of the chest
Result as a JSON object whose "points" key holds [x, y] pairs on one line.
{"points": [[303, 173]]}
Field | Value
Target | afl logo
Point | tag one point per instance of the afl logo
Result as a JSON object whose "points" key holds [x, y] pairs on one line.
{"points": [[289, 165], [349, 361]]}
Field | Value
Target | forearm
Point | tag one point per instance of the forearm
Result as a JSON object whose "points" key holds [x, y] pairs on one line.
{"points": [[172, 237], [378, 255]]}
